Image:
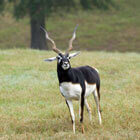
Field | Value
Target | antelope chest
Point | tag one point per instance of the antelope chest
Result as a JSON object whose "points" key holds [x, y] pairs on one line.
{"points": [[70, 90]]}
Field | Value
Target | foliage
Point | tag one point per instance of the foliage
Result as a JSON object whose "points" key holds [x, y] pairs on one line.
{"points": [[39, 8], [2, 4], [101, 4], [46, 7]]}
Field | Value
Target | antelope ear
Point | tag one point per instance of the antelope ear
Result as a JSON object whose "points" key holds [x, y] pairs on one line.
{"points": [[73, 54], [50, 59]]}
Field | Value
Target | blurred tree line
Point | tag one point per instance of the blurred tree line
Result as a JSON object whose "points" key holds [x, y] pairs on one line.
{"points": [[39, 10]]}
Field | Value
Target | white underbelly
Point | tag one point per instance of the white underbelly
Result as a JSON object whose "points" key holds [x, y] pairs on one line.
{"points": [[73, 91], [70, 90]]}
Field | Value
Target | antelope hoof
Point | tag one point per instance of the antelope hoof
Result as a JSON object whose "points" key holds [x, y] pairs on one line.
{"points": [[83, 130]]}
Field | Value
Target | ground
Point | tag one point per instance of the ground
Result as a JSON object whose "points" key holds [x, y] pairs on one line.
{"points": [[31, 106]]}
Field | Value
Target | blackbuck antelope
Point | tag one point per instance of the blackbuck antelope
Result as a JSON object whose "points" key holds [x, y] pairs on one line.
{"points": [[76, 83]]}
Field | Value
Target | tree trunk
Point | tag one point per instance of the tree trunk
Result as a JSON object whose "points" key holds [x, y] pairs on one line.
{"points": [[38, 39]]}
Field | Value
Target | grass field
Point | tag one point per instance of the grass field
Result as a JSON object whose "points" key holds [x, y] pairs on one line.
{"points": [[115, 29], [31, 106]]}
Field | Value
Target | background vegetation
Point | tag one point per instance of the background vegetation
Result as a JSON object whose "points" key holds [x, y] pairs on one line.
{"points": [[39, 10], [116, 29]]}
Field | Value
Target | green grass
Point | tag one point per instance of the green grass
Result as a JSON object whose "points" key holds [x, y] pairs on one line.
{"points": [[31, 106], [115, 29]]}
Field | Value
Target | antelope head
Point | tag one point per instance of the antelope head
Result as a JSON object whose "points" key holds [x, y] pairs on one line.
{"points": [[62, 59]]}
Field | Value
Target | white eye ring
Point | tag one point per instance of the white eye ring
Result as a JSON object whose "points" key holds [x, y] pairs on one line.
{"points": [[59, 59]]}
